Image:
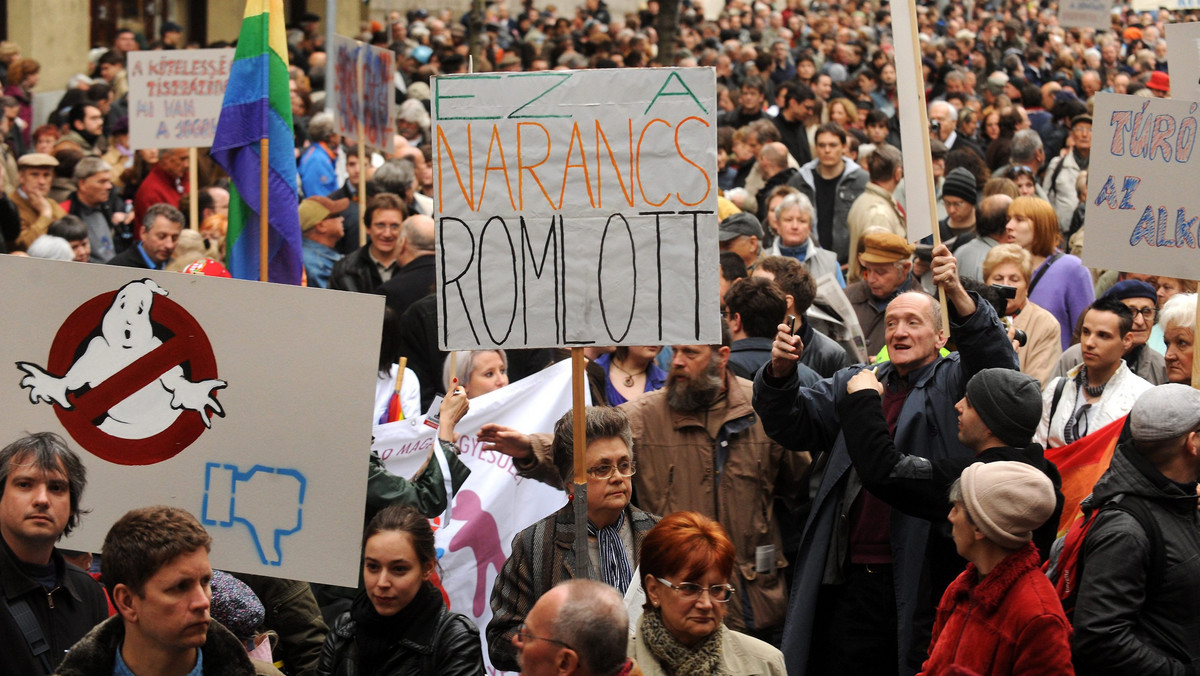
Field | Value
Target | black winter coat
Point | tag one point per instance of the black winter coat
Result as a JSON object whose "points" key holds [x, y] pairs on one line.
{"points": [[441, 642]]}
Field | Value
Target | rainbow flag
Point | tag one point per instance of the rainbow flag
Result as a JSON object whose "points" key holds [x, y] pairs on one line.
{"points": [[258, 105], [1081, 464]]}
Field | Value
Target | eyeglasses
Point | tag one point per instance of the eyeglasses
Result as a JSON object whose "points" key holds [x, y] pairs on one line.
{"points": [[625, 468], [527, 637], [1147, 313], [690, 591]]}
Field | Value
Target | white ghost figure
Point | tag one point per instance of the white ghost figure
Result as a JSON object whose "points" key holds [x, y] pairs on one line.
{"points": [[126, 335]]}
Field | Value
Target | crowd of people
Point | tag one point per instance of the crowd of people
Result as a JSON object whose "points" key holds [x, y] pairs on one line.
{"points": [[854, 480]]}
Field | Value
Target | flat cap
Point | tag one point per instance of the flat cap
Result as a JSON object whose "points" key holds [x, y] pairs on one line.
{"points": [[1165, 412]]}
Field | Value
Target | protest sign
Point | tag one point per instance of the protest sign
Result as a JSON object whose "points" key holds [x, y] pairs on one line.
{"points": [[373, 105], [1141, 214], [1085, 13], [175, 96], [494, 504], [1183, 53], [197, 392], [1151, 5], [920, 210], [347, 107], [576, 207]]}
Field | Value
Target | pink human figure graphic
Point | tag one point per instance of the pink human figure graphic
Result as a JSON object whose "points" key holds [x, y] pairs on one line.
{"points": [[482, 536]]}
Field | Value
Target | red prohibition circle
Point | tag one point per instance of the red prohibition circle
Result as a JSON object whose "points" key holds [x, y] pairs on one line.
{"points": [[188, 345]]}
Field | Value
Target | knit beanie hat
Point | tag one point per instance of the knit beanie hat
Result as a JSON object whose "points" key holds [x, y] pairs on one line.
{"points": [[1008, 402], [960, 183], [1007, 500], [235, 605]]}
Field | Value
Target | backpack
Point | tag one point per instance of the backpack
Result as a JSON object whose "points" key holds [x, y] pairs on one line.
{"points": [[1066, 572]]}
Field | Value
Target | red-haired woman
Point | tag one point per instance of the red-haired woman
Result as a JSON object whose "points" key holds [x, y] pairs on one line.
{"points": [[1060, 283], [686, 563]]}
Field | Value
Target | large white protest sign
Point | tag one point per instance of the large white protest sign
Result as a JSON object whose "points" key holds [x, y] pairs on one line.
{"points": [[494, 504], [175, 96], [1085, 13], [375, 106], [1183, 53], [576, 207], [1141, 209], [228, 398]]}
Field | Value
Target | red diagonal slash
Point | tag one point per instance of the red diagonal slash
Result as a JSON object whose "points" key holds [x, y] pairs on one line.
{"points": [[120, 385]]}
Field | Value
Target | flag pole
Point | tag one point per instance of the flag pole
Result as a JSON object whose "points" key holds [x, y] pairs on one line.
{"points": [[362, 152], [579, 445], [263, 273], [193, 183]]}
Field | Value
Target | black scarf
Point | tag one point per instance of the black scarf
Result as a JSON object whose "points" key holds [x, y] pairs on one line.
{"points": [[377, 636]]}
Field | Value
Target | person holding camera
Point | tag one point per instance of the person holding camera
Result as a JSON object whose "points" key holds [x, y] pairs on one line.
{"points": [[1034, 331]]}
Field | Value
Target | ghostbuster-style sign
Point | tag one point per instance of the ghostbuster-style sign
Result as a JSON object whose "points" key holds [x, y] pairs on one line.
{"points": [[131, 376]]}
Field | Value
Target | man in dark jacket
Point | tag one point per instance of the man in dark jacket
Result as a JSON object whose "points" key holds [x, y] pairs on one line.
{"points": [[155, 563], [755, 307], [1133, 615], [374, 263], [41, 485], [997, 417], [861, 591], [821, 353]]}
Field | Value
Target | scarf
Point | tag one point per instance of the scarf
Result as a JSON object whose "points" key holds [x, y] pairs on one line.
{"points": [[675, 657], [376, 635], [614, 562]]}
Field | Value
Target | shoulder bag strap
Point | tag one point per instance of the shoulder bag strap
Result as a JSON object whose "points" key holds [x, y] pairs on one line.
{"points": [[23, 615], [1042, 271]]}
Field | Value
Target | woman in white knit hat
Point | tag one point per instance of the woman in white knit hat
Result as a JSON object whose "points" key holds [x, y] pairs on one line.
{"points": [[1001, 615]]}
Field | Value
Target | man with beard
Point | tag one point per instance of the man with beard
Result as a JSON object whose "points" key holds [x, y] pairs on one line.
{"points": [[700, 447]]}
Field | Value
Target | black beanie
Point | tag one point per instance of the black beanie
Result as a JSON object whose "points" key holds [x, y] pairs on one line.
{"points": [[1008, 402], [960, 183]]}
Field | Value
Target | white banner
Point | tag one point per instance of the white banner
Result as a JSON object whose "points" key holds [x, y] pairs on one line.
{"points": [[494, 504], [576, 207], [1141, 216], [175, 96], [1151, 5], [1085, 14], [198, 392], [1183, 53]]}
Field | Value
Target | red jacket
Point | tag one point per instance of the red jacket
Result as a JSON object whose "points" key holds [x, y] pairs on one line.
{"points": [[1009, 622], [158, 187]]}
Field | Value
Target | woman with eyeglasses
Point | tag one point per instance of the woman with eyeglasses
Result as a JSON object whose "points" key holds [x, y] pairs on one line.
{"points": [[398, 623], [543, 554], [686, 564]]}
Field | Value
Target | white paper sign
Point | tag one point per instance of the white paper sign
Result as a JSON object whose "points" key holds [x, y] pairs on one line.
{"points": [[1085, 13], [1151, 5], [213, 395], [576, 207], [175, 96], [1183, 53], [494, 504], [1142, 211]]}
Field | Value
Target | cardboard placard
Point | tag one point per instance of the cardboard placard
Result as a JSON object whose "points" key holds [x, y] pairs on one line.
{"points": [[576, 207], [1085, 14], [198, 392], [1183, 53], [375, 106], [175, 96], [1139, 218]]}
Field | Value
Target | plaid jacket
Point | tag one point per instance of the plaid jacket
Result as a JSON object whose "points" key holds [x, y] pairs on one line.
{"points": [[541, 557]]}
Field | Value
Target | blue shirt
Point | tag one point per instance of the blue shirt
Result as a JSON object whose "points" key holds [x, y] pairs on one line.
{"points": [[318, 176], [149, 263], [318, 262], [122, 669]]}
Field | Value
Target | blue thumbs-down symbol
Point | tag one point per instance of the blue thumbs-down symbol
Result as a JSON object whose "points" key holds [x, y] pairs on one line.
{"points": [[260, 498]]}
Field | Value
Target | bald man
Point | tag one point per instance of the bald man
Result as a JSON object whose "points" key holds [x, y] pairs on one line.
{"points": [[773, 163]]}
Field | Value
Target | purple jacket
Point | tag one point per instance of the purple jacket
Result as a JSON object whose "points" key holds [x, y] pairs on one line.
{"points": [[1066, 291]]}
